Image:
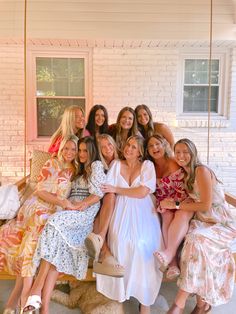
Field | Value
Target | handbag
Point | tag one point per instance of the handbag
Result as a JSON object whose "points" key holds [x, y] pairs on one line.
{"points": [[9, 201]]}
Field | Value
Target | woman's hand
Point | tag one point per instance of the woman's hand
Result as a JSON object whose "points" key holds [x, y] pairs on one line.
{"points": [[167, 203], [107, 188], [66, 204], [80, 205], [160, 210]]}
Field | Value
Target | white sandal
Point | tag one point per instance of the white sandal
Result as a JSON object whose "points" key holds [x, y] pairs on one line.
{"points": [[94, 243], [33, 301]]}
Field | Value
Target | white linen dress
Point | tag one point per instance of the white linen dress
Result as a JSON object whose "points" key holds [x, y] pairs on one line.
{"points": [[134, 235]]}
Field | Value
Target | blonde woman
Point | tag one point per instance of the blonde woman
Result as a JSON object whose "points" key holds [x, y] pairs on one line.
{"points": [[207, 263], [18, 237], [61, 246], [72, 123], [96, 242], [134, 231]]}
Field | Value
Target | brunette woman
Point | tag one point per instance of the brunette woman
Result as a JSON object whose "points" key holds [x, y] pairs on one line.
{"points": [[97, 121], [61, 246], [147, 127]]}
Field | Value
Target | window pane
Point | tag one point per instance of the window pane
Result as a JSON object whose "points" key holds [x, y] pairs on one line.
{"points": [[196, 71], [49, 112], [196, 98], [60, 77]]}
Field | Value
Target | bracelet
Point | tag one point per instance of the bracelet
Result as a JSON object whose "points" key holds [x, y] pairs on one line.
{"points": [[177, 204]]}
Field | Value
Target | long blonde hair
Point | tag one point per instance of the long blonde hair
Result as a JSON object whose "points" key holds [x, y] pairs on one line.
{"points": [[66, 127], [112, 142], [74, 139]]}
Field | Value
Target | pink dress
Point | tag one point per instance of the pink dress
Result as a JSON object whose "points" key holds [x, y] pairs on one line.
{"points": [[207, 263], [54, 147]]}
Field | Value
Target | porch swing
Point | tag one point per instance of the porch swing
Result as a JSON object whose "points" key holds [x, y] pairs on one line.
{"points": [[24, 184]]}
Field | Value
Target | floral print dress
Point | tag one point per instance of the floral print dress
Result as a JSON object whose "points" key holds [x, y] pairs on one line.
{"points": [[19, 236], [207, 263], [171, 186], [62, 240]]}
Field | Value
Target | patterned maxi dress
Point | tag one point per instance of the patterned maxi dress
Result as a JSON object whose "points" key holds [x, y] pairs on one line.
{"points": [[207, 263], [62, 240], [19, 236]]}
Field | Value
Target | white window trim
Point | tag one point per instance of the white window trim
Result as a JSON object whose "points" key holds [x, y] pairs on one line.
{"points": [[54, 52], [217, 119]]}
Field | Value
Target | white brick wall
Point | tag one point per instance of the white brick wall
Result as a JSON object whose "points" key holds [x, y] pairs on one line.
{"points": [[121, 77], [12, 113]]}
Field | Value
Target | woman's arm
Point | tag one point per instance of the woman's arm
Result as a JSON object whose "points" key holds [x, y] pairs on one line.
{"points": [[166, 132], [204, 182], [53, 199], [137, 192]]}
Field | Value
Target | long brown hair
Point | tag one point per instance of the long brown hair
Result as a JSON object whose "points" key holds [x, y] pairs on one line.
{"points": [[84, 169], [118, 129], [193, 163], [149, 130]]}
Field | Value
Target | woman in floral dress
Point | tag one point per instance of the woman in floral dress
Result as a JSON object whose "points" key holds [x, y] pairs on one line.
{"points": [[61, 246], [19, 237], [170, 184], [207, 263]]}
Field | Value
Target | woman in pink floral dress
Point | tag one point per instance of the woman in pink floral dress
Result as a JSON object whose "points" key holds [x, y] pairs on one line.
{"points": [[207, 263], [19, 237], [170, 184]]}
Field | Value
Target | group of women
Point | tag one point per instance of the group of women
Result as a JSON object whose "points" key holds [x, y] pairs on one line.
{"points": [[118, 194]]}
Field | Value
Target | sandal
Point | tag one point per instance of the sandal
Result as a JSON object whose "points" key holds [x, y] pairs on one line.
{"points": [[161, 260], [33, 304], [175, 309], [94, 243], [172, 273], [108, 267], [202, 309]]}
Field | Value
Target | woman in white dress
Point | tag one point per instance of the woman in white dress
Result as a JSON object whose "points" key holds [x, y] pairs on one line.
{"points": [[134, 231]]}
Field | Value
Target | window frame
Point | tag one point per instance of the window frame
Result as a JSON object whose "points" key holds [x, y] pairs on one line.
{"points": [[223, 57], [52, 52]]}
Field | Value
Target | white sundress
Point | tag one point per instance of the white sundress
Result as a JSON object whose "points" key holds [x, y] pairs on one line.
{"points": [[134, 235], [62, 240]]}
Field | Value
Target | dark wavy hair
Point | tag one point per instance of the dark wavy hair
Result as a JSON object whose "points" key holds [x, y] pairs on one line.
{"points": [[84, 169], [91, 125]]}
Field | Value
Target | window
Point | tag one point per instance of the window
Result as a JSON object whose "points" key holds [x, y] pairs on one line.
{"points": [[59, 79], [195, 87]]}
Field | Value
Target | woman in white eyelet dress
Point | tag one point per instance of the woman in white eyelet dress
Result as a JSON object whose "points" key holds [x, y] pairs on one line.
{"points": [[134, 231]]}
